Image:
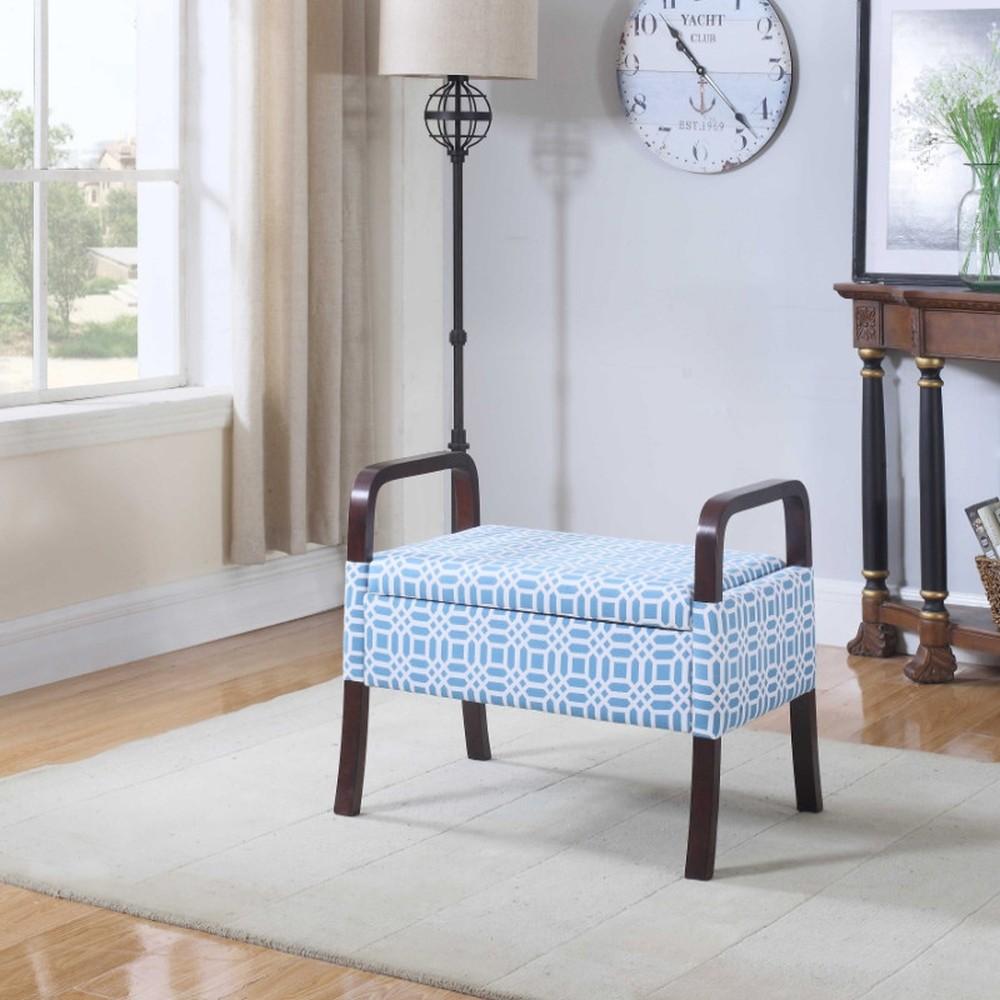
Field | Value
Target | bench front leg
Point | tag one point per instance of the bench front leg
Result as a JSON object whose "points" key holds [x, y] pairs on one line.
{"points": [[710, 549], [465, 506], [353, 749], [703, 823]]}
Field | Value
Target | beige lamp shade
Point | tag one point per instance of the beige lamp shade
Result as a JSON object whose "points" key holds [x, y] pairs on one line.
{"points": [[477, 38]]}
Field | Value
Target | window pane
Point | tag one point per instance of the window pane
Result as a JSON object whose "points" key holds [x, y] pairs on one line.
{"points": [[92, 83], [112, 282], [16, 201], [16, 225], [113, 82], [92, 312], [158, 87], [17, 54]]}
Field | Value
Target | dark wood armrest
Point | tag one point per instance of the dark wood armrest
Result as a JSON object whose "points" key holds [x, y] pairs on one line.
{"points": [[711, 542], [361, 519]]}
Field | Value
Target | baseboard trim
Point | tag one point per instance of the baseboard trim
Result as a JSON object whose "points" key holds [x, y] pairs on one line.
{"points": [[838, 613], [81, 639]]}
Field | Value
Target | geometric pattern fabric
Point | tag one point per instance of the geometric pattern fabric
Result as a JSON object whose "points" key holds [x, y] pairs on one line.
{"points": [[592, 670], [556, 573], [753, 652], [434, 619]]}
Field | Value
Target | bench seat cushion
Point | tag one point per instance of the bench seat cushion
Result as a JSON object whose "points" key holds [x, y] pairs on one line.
{"points": [[557, 573]]}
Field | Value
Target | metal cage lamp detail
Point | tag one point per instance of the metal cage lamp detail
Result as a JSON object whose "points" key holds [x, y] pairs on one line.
{"points": [[457, 40], [458, 116]]}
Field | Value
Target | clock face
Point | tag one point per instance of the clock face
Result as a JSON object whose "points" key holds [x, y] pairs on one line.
{"points": [[706, 83]]}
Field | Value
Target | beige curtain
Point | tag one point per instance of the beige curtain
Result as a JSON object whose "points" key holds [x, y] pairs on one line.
{"points": [[301, 283]]}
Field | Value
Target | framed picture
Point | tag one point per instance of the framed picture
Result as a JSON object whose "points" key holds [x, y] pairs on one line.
{"points": [[906, 205]]}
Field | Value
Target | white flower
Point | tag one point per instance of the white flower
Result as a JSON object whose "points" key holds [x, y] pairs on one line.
{"points": [[957, 104]]}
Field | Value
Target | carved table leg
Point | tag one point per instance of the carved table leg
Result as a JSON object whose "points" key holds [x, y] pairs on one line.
{"points": [[874, 638], [934, 662]]}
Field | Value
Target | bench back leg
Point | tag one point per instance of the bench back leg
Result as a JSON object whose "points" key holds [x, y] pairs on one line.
{"points": [[706, 769], [353, 749], [477, 732], [805, 754]]}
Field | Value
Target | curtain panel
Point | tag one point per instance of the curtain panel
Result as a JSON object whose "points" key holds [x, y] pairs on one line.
{"points": [[302, 219]]}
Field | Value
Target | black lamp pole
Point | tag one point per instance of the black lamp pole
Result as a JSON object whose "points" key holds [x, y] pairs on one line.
{"points": [[458, 336], [458, 116]]}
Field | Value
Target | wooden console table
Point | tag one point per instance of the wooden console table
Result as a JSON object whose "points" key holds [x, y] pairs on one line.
{"points": [[933, 326]]}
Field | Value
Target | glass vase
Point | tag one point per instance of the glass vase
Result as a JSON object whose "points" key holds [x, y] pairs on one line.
{"points": [[979, 229]]}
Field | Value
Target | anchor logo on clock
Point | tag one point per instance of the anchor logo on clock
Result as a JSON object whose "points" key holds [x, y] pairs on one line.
{"points": [[701, 107]]}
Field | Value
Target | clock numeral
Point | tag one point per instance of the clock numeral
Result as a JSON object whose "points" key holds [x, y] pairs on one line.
{"points": [[765, 26], [764, 113], [645, 24], [777, 71], [672, 4], [738, 5], [744, 141], [630, 64], [637, 106], [699, 152]]}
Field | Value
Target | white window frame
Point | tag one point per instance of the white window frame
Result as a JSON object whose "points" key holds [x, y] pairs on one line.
{"points": [[40, 176]]}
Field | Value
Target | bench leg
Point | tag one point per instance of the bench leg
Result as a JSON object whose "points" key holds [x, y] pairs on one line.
{"points": [[353, 749], [477, 731], [805, 754], [706, 769]]}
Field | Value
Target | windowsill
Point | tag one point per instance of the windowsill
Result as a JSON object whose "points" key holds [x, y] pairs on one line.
{"points": [[27, 430]]}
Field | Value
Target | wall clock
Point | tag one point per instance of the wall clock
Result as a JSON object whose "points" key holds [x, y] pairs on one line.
{"points": [[706, 83]]}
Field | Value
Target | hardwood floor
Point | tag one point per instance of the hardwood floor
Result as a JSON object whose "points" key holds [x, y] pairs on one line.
{"points": [[52, 948], [78, 718], [870, 701]]}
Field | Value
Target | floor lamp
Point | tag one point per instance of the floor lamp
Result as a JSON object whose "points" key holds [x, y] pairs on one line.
{"points": [[456, 40]]}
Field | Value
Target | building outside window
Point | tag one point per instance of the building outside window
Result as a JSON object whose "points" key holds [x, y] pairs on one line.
{"points": [[90, 198]]}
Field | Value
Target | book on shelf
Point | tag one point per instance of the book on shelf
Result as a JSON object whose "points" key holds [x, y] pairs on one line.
{"points": [[985, 520]]}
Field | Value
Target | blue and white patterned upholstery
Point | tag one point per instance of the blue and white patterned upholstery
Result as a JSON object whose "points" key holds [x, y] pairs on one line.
{"points": [[594, 670], [577, 625], [556, 573], [753, 652]]}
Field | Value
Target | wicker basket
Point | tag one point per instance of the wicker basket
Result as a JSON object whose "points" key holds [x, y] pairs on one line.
{"points": [[989, 570]]}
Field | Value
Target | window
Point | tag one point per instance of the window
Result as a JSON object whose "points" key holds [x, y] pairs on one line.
{"points": [[90, 195]]}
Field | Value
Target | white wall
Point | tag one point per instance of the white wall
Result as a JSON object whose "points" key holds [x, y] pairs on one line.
{"points": [[650, 337], [410, 342]]}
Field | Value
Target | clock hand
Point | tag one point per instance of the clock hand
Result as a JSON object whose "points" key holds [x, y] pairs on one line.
{"points": [[682, 47], [703, 73], [740, 117]]}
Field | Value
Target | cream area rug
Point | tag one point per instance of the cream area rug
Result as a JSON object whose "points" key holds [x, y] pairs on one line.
{"points": [[553, 871]]}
